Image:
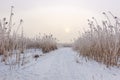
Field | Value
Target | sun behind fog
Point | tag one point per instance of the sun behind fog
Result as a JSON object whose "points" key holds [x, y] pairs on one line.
{"points": [[67, 30]]}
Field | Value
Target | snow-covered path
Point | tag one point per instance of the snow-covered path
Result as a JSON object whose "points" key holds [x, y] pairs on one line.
{"points": [[58, 65], [61, 65]]}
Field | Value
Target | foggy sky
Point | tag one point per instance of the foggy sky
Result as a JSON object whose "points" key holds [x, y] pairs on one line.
{"points": [[63, 18]]}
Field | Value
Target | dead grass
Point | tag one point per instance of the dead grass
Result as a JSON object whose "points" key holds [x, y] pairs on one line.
{"points": [[12, 41], [101, 42]]}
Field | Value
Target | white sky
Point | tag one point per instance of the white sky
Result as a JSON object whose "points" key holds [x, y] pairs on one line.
{"points": [[62, 18]]}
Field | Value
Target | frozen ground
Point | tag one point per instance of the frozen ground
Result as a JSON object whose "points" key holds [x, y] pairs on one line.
{"points": [[60, 65]]}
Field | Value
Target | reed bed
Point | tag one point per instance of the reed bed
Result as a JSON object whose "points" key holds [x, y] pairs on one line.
{"points": [[13, 44], [101, 42]]}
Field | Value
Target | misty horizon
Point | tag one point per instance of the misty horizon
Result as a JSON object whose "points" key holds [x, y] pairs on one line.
{"points": [[65, 19]]}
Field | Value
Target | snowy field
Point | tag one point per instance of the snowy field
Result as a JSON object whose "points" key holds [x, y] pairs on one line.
{"points": [[59, 65]]}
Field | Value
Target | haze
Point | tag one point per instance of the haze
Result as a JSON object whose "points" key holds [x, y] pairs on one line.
{"points": [[62, 18]]}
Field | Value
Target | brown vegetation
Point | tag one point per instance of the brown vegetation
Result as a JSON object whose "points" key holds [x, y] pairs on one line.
{"points": [[101, 42]]}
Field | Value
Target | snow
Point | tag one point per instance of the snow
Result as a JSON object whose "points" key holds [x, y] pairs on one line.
{"points": [[59, 65]]}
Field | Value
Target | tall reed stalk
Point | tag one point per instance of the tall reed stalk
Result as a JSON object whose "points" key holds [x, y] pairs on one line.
{"points": [[101, 42]]}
